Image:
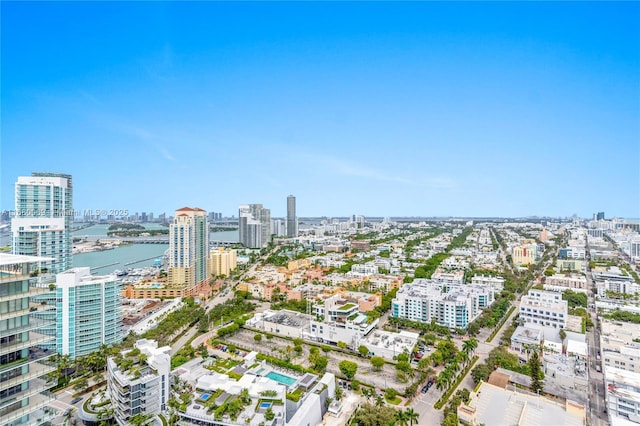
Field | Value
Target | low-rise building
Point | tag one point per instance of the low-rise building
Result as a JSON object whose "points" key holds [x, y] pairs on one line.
{"points": [[451, 277], [342, 320], [388, 345], [496, 282], [619, 345], [622, 396], [284, 322], [453, 306], [544, 308], [565, 281], [259, 395], [493, 405]]}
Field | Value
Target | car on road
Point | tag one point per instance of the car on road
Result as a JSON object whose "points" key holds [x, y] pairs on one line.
{"points": [[76, 400]]}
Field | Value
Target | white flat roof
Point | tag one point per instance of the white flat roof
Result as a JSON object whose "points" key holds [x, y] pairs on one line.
{"points": [[12, 259]]}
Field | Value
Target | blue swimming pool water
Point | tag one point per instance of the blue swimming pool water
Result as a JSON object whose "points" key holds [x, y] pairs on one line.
{"points": [[265, 405], [204, 396], [281, 378]]}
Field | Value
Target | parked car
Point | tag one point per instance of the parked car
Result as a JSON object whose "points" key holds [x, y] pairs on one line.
{"points": [[76, 400]]}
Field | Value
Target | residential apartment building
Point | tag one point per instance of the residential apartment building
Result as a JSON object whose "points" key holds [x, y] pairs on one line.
{"points": [[453, 277], [453, 306], [264, 391], [188, 248], [494, 405], [254, 225], [544, 308], [525, 254], [89, 311], [342, 320], [222, 261], [138, 381], [41, 225], [23, 366], [622, 396], [618, 345], [496, 282], [617, 286], [566, 281]]}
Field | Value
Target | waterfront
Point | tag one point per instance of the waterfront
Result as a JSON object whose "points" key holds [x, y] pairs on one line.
{"points": [[131, 255]]}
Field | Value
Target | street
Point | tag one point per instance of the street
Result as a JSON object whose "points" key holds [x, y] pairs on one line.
{"points": [[597, 404], [423, 403]]}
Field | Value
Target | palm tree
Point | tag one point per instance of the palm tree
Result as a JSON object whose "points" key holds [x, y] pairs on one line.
{"points": [[401, 418], [379, 401], [469, 346], [244, 395], [412, 416], [443, 380]]}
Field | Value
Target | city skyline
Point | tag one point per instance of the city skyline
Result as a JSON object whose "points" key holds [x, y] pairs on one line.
{"points": [[414, 109]]}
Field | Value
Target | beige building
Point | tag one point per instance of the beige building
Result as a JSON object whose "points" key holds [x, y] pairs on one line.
{"points": [[524, 254], [619, 346], [222, 261], [188, 248], [572, 281]]}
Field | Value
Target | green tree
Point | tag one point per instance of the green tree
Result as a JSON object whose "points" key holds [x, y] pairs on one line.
{"points": [[377, 362], [370, 415], [364, 351], [348, 368], [412, 416], [269, 414], [401, 418], [342, 345], [470, 346], [481, 372], [321, 363], [536, 377], [390, 393], [562, 334], [257, 337]]}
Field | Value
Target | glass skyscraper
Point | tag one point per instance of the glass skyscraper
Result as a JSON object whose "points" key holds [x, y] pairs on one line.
{"points": [[24, 399], [41, 226]]}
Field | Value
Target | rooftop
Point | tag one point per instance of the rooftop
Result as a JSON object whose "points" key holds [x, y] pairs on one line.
{"points": [[12, 259], [492, 405]]}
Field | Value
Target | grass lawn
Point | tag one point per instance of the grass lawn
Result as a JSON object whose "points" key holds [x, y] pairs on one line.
{"points": [[394, 401]]}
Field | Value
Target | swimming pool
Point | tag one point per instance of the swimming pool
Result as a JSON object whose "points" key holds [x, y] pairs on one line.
{"points": [[204, 396], [265, 405], [281, 378]]}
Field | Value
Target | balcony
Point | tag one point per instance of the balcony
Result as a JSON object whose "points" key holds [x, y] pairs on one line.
{"points": [[34, 324], [34, 340], [36, 402], [36, 370]]}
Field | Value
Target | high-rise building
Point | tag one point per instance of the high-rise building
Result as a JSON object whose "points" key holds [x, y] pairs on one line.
{"points": [[89, 312], [600, 216], [292, 219], [278, 227], [23, 366], [254, 224], [41, 225], [188, 248], [222, 261]]}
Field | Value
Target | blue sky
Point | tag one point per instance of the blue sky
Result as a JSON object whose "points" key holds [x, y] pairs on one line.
{"points": [[462, 109]]}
